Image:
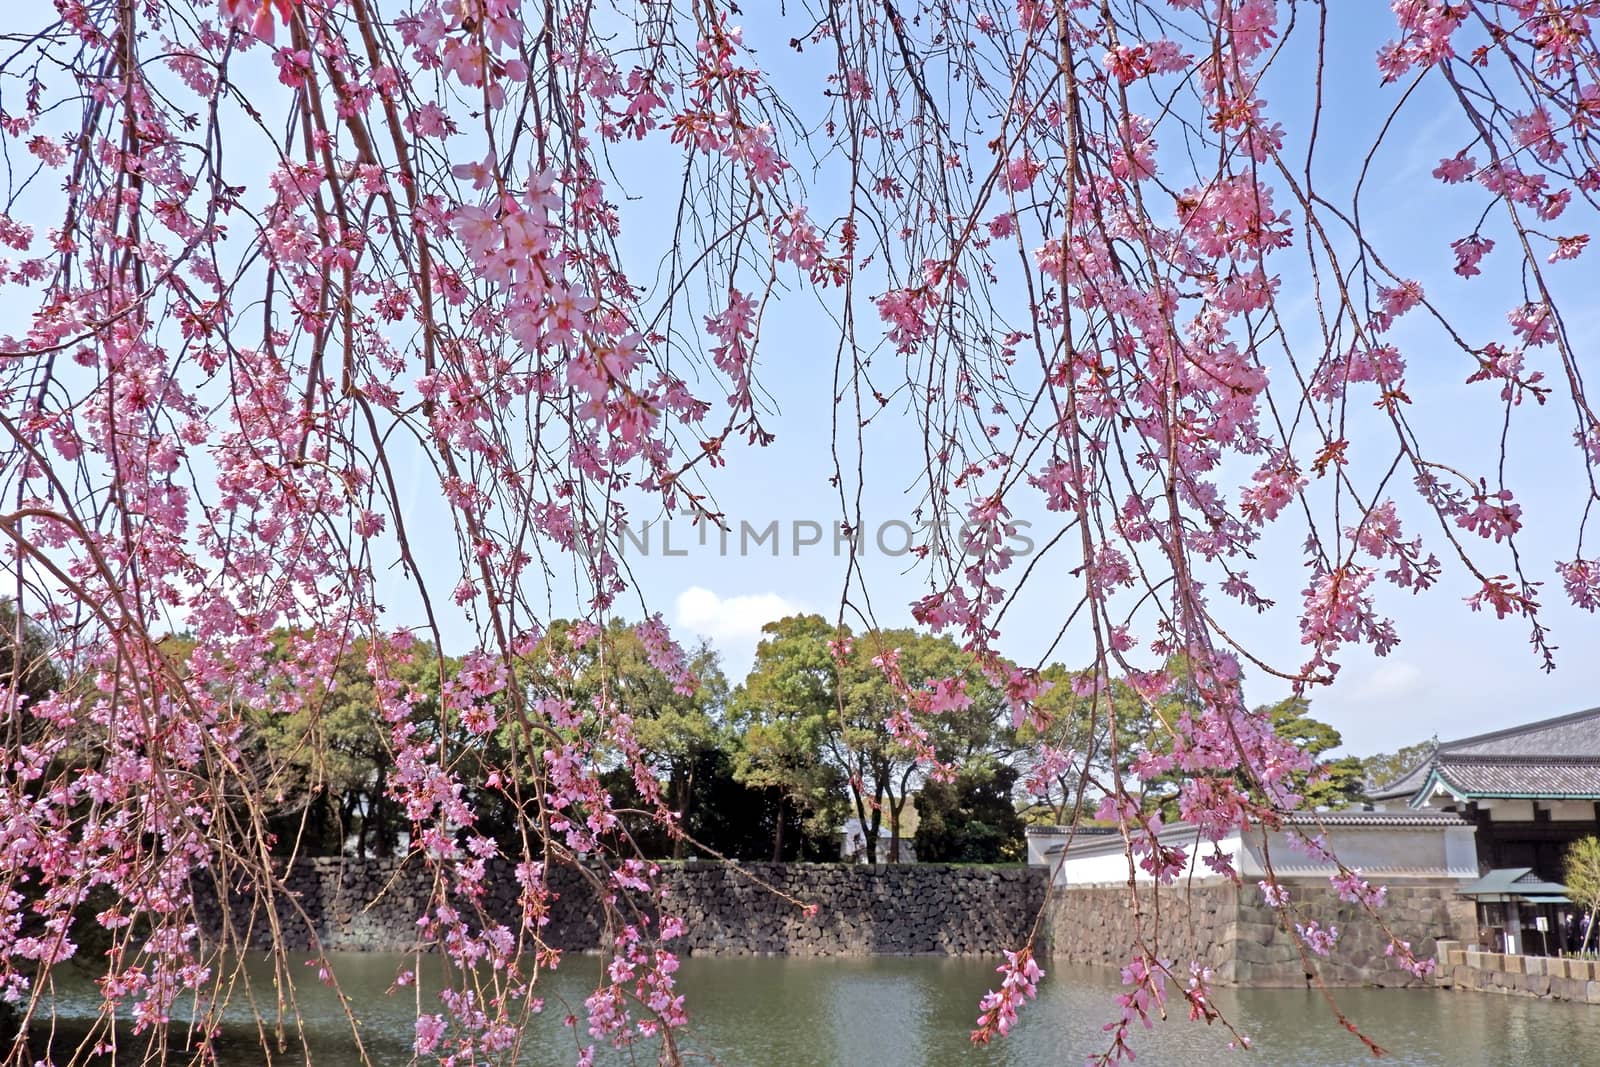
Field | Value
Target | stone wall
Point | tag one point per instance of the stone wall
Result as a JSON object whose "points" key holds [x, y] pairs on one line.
{"points": [[1522, 976], [900, 909], [1241, 939], [1422, 915], [1098, 925]]}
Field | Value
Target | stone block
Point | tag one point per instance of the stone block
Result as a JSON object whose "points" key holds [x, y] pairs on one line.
{"points": [[1290, 975], [1475, 960], [1513, 964], [1260, 933]]}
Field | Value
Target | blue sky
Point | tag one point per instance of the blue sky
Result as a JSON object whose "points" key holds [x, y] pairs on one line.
{"points": [[1454, 673]]}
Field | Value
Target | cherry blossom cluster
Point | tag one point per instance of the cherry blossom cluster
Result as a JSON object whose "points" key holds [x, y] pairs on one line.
{"points": [[1019, 985], [317, 300]]}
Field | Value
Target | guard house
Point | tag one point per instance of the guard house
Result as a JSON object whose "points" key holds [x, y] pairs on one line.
{"points": [[1521, 913], [1529, 791]]}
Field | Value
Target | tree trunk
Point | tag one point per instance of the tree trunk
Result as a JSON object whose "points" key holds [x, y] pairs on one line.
{"points": [[1588, 932], [894, 829], [856, 795], [349, 810], [321, 809], [685, 793], [895, 808], [877, 824], [382, 841], [777, 835]]}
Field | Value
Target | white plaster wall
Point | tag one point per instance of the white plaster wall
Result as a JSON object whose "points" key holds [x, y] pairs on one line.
{"points": [[1571, 810], [1461, 852], [1038, 843], [1508, 810], [1381, 853], [1111, 867], [1389, 854]]}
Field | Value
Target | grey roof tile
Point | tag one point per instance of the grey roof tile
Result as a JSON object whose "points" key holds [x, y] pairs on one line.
{"points": [[1552, 757], [1577, 778], [1577, 734]]}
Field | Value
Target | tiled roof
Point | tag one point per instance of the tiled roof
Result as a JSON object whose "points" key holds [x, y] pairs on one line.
{"points": [[1577, 734], [1405, 785], [1521, 777], [1512, 881], [1095, 840], [1068, 831], [1375, 818], [1557, 757]]}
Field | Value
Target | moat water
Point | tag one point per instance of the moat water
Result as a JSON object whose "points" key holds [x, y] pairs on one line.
{"points": [[913, 1013]]}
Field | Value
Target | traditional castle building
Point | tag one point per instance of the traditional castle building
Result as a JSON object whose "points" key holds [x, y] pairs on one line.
{"points": [[1472, 840], [1529, 790]]}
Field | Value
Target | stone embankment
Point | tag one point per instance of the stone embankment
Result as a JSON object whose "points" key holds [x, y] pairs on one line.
{"points": [[1233, 931], [1525, 976], [372, 905]]}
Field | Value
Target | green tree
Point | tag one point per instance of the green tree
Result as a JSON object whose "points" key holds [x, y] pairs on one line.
{"points": [[879, 768], [678, 734], [1329, 785], [27, 668], [325, 755], [781, 715], [1103, 739], [812, 719], [1145, 726], [740, 821], [1582, 876], [1335, 783], [675, 731], [972, 819], [1386, 767]]}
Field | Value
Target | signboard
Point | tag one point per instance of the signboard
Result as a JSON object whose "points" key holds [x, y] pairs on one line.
{"points": [[1542, 924]]}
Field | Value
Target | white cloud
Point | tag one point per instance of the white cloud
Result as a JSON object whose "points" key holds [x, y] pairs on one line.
{"points": [[731, 619], [1391, 681], [1379, 706], [733, 624]]}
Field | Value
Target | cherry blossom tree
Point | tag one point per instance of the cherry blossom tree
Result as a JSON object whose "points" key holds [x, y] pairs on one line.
{"points": [[292, 286]]}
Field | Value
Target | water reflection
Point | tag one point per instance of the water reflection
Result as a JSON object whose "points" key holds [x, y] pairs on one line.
{"points": [[916, 1012]]}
